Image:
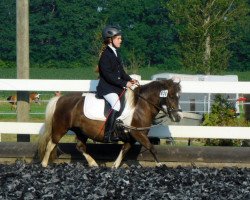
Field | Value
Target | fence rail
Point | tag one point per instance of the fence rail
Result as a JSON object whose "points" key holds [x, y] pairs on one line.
{"points": [[90, 85], [159, 131]]}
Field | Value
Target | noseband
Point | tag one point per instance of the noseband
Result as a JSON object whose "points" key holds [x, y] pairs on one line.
{"points": [[173, 110], [169, 109]]}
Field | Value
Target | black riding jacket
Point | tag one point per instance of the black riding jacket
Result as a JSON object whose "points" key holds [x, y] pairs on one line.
{"points": [[113, 78]]}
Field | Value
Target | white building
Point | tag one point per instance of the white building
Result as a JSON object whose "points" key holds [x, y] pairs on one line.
{"points": [[199, 103]]}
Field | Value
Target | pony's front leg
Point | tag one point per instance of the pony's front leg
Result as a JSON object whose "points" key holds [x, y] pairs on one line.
{"points": [[81, 147], [121, 155], [142, 138], [154, 152], [49, 148]]}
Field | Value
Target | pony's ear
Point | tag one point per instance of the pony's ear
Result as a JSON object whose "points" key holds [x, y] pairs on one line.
{"points": [[176, 79]]}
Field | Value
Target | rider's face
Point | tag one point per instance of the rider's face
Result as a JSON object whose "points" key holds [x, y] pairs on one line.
{"points": [[117, 41]]}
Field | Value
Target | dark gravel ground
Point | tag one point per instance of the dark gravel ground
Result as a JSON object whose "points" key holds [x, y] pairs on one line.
{"points": [[77, 181]]}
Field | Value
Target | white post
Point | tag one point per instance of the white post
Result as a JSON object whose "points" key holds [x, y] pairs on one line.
{"points": [[209, 103]]}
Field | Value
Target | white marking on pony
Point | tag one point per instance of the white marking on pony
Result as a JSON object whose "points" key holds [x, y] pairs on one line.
{"points": [[159, 164], [129, 108], [90, 160], [49, 148], [118, 160], [180, 113], [164, 107]]}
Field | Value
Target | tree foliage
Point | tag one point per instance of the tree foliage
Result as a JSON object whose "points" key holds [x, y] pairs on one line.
{"points": [[205, 31], [241, 48], [8, 30], [68, 33]]}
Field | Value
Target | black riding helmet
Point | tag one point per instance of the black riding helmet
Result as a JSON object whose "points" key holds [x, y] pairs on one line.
{"points": [[110, 31]]}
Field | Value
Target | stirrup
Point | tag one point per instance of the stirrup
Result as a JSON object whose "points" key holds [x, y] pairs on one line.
{"points": [[114, 138], [110, 137]]}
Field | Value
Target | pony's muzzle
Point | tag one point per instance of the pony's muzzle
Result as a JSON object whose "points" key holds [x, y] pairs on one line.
{"points": [[174, 114]]}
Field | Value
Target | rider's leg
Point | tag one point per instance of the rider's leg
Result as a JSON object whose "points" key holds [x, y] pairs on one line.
{"points": [[110, 127], [114, 101]]}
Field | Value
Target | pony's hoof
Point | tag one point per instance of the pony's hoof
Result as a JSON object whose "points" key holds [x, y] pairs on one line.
{"points": [[93, 164], [159, 164], [44, 164], [115, 166]]}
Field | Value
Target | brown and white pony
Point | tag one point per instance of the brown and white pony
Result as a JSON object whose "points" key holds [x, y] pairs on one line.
{"points": [[66, 113], [34, 97]]}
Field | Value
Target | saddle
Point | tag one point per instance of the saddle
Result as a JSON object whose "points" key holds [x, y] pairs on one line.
{"points": [[98, 108]]}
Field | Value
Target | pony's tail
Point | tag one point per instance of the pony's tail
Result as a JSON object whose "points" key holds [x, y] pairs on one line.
{"points": [[46, 135]]}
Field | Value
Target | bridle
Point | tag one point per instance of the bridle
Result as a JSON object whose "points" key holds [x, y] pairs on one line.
{"points": [[169, 109], [167, 112]]}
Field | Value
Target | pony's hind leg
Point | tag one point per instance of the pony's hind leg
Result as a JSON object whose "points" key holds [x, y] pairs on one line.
{"points": [[53, 140], [49, 148], [81, 147]]}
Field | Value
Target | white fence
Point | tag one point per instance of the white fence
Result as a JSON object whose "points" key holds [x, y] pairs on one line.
{"points": [[159, 131]]}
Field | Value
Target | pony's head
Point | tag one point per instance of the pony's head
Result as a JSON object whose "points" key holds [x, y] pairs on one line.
{"points": [[169, 99], [35, 97]]}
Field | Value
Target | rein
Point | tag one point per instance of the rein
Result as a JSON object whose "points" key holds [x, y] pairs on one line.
{"points": [[140, 128], [148, 127], [149, 102]]}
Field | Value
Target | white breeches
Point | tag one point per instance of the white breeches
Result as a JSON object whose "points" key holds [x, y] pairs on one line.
{"points": [[113, 100]]}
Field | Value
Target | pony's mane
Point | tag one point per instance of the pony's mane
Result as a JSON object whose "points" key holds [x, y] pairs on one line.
{"points": [[156, 87], [129, 96]]}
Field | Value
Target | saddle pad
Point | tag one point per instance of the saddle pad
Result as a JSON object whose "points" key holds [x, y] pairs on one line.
{"points": [[93, 108]]}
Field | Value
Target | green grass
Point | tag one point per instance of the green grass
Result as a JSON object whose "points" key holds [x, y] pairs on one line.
{"points": [[87, 73], [52, 73], [34, 138], [36, 110]]}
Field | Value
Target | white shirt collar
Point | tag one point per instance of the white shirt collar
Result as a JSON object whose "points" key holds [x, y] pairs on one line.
{"points": [[113, 48]]}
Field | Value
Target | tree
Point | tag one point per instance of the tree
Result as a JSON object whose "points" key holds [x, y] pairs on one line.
{"points": [[204, 30], [241, 49], [67, 33], [63, 30], [148, 36], [8, 30]]}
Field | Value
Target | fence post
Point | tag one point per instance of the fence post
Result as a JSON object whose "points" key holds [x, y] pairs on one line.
{"points": [[247, 107], [23, 108], [192, 109], [22, 37]]}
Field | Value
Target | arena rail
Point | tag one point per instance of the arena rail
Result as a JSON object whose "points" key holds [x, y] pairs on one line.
{"points": [[159, 131]]}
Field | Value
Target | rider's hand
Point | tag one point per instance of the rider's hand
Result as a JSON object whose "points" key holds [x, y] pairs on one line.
{"points": [[129, 84], [134, 81]]}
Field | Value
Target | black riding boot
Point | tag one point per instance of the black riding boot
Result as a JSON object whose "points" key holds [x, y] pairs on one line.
{"points": [[110, 127]]}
